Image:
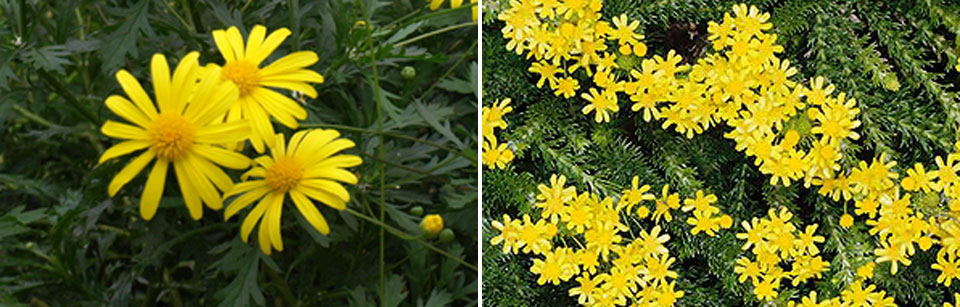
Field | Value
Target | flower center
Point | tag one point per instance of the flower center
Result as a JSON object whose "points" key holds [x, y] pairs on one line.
{"points": [[284, 174], [243, 74], [171, 136]]}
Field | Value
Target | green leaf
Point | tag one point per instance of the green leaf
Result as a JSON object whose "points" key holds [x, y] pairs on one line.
{"points": [[393, 293], [123, 41], [49, 58], [438, 298], [244, 260]]}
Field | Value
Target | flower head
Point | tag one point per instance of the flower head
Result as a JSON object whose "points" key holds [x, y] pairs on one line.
{"points": [[306, 168]]}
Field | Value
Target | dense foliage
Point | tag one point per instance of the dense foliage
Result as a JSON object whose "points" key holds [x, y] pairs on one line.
{"points": [[895, 59], [399, 81]]}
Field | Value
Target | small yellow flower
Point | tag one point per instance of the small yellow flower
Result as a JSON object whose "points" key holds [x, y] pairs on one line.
{"points": [[846, 220], [866, 271], [431, 224]]}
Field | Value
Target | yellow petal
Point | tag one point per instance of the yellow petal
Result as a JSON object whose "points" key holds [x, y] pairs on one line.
{"points": [[258, 172], [326, 151], [290, 62], [123, 131], [279, 147], [254, 216], [295, 141], [133, 89], [190, 197], [254, 40], [264, 161], [263, 235], [260, 125], [435, 4], [456, 3], [310, 212], [273, 223], [341, 161], [220, 39], [153, 189], [279, 109], [228, 133], [201, 184], [268, 46], [295, 85], [245, 186], [327, 186], [222, 156], [216, 175], [235, 41], [121, 149], [124, 108], [160, 72], [316, 139], [324, 197], [337, 174], [299, 75], [245, 200], [184, 80], [129, 171]]}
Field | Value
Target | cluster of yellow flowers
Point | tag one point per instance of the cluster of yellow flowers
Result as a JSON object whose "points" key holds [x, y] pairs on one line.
{"points": [[495, 155], [774, 240], [795, 132], [610, 269], [858, 293], [201, 114]]}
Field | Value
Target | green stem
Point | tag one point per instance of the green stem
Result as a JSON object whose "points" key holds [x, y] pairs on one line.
{"points": [[439, 13], [397, 165], [472, 159], [285, 294], [379, 101], [32, 116], [434, 32], [402, 235], [72, 100]]}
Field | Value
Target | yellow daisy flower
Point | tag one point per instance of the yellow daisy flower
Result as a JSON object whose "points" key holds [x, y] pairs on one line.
{"points": [[257, 103], [180, 132], [305, 168]]}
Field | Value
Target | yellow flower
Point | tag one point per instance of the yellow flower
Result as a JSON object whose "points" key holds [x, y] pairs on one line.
{"points": [[919, 179], [866, 271], [306, 168], [701, 222], [856, 295], [492, 117], [602, 103], [635, 194], [257, 103], [431, 224], [509, 234], [948, 267], [181, 132], [496, 155], [665, 203], [566, 86], [846, 220], [552, 199], [584, 292], [701, 203]]}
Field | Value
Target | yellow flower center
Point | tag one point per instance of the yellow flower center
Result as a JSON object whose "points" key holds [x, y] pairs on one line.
{"points": [[171, 135], [242, 73], [284, 174]]}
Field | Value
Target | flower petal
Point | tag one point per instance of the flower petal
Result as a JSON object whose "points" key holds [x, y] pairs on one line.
{"points": [[129, 171], [222, 156], [290, 62], [133, 89], [121, 149], [124, 108], [123, 131], [256, 56], [160, 72], [153, 189], [245, 200], [190, 197], [254, 216], [325, 197], [310, 212]]}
